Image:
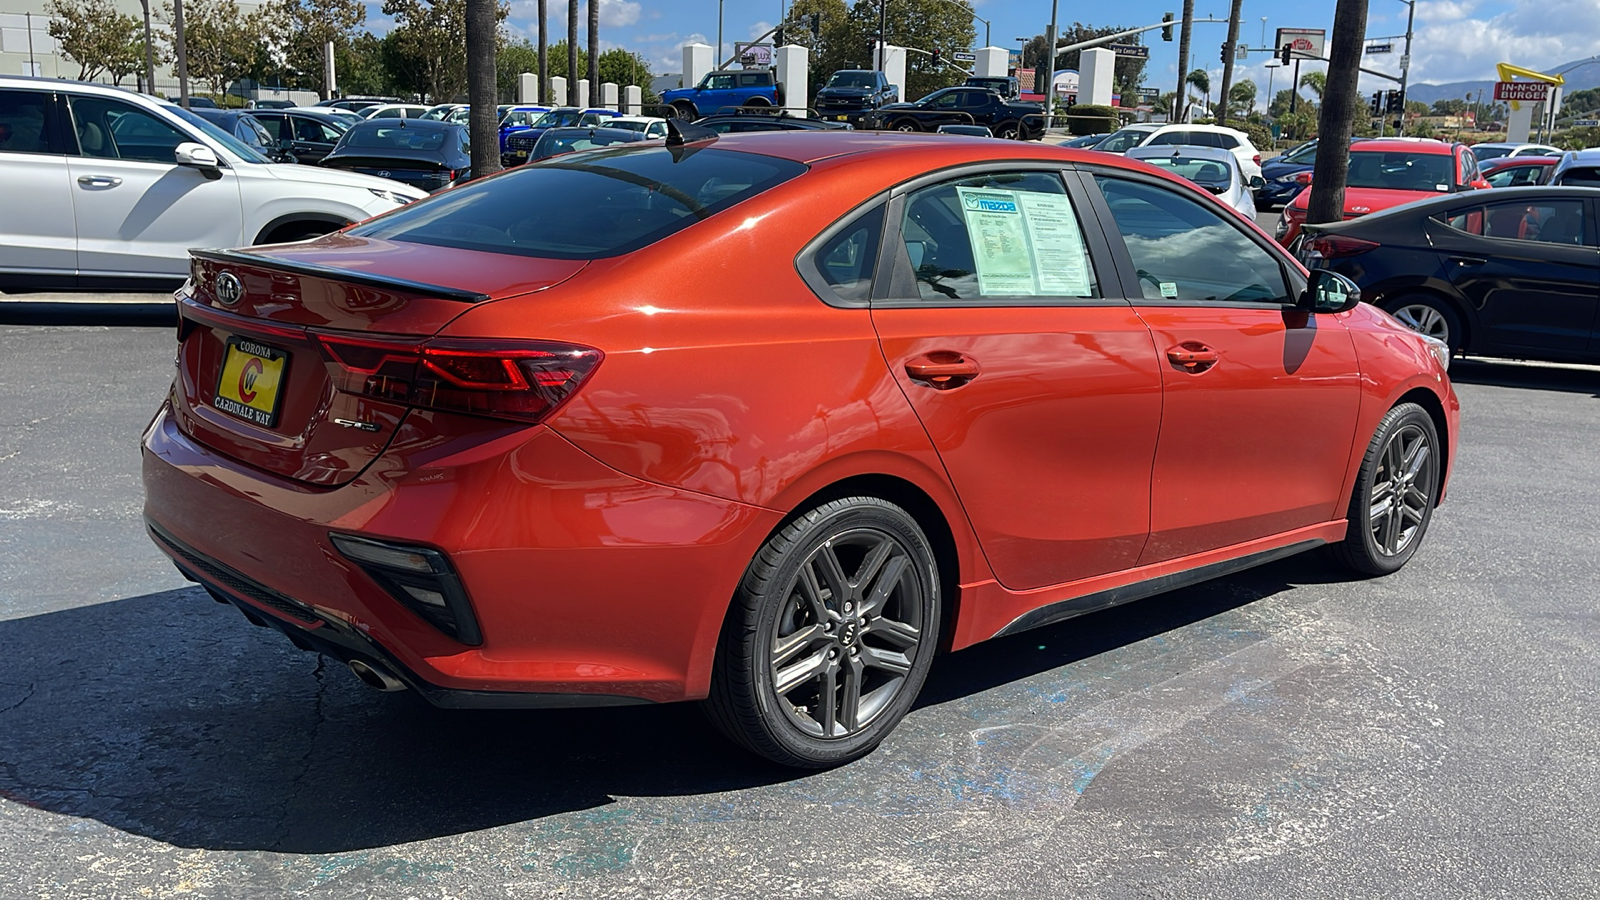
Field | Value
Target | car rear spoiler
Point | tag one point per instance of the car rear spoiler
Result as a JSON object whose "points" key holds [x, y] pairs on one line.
{"points": [[348, 276]]}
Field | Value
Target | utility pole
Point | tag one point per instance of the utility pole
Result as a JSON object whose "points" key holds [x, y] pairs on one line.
{"points": [[719, 32], [883, 39], [182, 53], [1339, 99], [1183, 61], [149, 52], [1050, 66], [1229, 51], [483, 134], [544, 54], [572, 54], [1405, 61]]}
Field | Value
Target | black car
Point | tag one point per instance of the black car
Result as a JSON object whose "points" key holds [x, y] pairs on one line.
{"points": [[306, 135], [851, 93], [423, 153], [556, 141], [1506, 272], [962, 106], [247, 128], [743, 121]]}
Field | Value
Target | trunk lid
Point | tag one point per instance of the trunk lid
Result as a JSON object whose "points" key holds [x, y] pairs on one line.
{"points": [[254, 382]]}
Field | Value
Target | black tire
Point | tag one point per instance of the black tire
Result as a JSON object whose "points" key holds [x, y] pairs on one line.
{"points": [[863, 642], [906, 125], [304, 231], [1430, 315], [1008, 132], [684, 111], [1381, 502], [758, 102]]}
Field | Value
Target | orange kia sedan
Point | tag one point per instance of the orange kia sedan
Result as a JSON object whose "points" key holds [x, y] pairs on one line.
{"points": [[769, 420]]}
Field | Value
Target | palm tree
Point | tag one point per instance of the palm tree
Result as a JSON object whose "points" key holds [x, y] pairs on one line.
{"points": [[1200, 80], [1183, 60], [1340, 97], [1224, 93], [572, 53], [1242, 97], [544, 54], [594, 52], [483, 21], [1317, 82]]}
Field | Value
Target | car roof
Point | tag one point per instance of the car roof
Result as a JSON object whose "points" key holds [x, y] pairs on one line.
{"points": [[1506, 162], [1406, 145], [932, 150], [649, 120], [1190, 150], [421, 124]]}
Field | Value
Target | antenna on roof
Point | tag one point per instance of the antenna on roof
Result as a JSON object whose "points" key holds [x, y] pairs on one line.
{"points": [[688, 133]]}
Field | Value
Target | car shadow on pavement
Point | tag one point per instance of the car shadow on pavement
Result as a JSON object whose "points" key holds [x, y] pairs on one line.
{"points": [[167, 716], [1526, 376]]}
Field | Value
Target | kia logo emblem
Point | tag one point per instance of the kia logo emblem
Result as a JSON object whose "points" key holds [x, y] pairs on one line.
{"points": [[229, 289]]}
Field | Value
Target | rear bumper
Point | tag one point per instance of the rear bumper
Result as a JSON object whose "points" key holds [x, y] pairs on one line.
{"points": [[590, 587]]}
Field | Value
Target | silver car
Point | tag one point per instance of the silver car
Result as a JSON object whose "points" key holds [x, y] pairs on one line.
{"points": [[1212, 168]]}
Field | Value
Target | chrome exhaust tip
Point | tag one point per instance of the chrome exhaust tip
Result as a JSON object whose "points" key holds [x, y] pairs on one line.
{"points": [[375, 676]]}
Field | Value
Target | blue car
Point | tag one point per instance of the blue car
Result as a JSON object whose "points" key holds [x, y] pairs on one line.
{"points": [[513, 118], [517, 144], [1280, 173]]}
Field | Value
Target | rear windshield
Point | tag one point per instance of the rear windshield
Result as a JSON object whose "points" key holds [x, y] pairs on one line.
{"points": [[603, 203], [1124, 140], [554, 142], [1401, 171], [853, 80], [1206, 172], [395, 137], [1483, 153], [559, 118], [1581, 177]]}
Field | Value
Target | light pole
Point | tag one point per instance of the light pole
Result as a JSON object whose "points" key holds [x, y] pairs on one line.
{"points": [[719, 29], [1022, 54], [1405, 61], [1272, 66]]}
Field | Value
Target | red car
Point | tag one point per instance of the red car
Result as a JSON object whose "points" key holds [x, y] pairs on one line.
{"points": [[1519, 171], [771, 419], [1387, 172]]}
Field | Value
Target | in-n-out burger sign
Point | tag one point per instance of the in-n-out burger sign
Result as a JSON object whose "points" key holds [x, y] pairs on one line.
{"points": [[1523, 91]]}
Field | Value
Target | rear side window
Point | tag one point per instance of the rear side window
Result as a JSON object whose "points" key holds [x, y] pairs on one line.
{"points": [[1580, 177], [1546, 221], [23, 118], [606, 202], [845, 264]]}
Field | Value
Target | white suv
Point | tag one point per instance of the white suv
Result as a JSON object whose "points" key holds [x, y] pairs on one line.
{"points": [[1146, 135], [102, 188]]}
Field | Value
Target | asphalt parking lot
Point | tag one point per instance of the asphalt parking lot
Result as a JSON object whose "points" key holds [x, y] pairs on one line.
{"points": [[1281, 733]]}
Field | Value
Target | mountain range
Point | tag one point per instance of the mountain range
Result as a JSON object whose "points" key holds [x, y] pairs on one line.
{"points": [[1579, 79]]}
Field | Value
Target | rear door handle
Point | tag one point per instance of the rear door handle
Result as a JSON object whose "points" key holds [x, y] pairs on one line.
{"points": [[1468, 260], [99, 180], [1192, 356], [942, 369]]}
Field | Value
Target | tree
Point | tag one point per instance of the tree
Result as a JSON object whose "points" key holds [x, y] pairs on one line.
{"points": [[510, 61], [594, 52], [1242, 97], [830, 47], [544, 52], [620, 67], [426, 52], [483, 131], [360, 67], [301, 28], [1200, 80], [94, 35], [1341, 101], [1183, 60], [572, 53], [1127, 72], [1317, 82], [1450, 106], [219, 40], [1224, 93]]}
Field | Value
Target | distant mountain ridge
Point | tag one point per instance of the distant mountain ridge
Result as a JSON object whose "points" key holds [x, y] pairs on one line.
{"points": [[1579, 79]]}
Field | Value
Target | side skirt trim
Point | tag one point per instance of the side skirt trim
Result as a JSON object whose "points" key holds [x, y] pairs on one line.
{"points": [[1139, 590]]}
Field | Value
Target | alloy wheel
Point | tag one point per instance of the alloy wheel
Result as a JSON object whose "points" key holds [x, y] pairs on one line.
{"points": [[1402, 490], [1424, 319], [848, 633]]}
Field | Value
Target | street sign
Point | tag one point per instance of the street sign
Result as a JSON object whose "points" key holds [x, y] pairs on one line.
{"points": [[1405, 61], [964, 56], [1304, 43], [1149, 93], [1523, 91], [1241, 53], [1134, 51], [1587, 123], [1374, 49]]}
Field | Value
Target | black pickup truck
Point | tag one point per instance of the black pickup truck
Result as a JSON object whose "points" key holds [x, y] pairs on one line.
{"points": [[852, 93], [1009, 119]]}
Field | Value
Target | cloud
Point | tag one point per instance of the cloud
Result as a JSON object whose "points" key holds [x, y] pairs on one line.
{"points": [[1450, 45], [617, 13]]}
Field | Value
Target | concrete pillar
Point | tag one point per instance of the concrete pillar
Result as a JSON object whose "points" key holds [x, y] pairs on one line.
{"points": [[794, 75], [1520, 123], [993, 62], [608, 94], [894, 68], [697, 64], [558, 90], [632, 100], [1097, 77], [581, 96], [527, 88]]}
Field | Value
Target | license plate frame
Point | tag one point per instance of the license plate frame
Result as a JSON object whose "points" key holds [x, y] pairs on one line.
{"points": [[271, 361]]}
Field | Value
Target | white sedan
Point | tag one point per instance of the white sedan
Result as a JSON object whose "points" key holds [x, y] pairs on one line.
{"points": [[1212, 168]]}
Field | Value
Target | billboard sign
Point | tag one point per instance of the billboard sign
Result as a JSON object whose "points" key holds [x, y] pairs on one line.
{"points": [[1523, 91], [1304, 43], [753, 56], [1066, 82]]}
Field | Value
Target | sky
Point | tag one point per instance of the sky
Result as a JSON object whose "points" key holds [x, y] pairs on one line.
{"points": [[1455, 40]]}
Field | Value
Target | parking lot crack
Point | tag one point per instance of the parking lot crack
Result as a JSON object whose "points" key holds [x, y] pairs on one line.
{"points": [[306, 760], [24, 699]]}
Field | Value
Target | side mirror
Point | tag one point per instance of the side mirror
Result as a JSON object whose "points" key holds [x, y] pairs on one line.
{"points": [[198, 156], [1329, 292], [1257, 182]]}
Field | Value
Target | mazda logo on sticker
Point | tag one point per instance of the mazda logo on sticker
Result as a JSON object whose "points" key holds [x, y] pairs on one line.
{"points": [[229, 289]]}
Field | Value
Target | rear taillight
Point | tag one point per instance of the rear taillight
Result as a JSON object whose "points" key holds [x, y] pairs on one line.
{"points": [[1335, 246], [524, 381], [1257, 159]]}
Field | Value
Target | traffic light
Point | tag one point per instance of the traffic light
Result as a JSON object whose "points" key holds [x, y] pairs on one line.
{"points": [[1224, 54], [777, 37], [816, 25], [936, 54], [1284, 53], [1166, 26], [1392, 106], [1377, 103]]}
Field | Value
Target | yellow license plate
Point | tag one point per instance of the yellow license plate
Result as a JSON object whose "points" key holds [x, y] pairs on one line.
{"points": [[251, 382], [841, 118], [522, 153]]}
